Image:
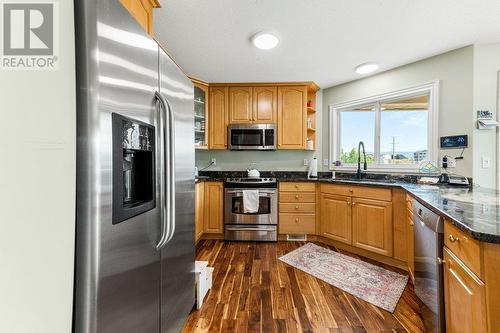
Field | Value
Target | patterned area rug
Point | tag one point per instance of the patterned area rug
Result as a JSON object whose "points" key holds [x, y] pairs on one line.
{"points": [[371, 283]]}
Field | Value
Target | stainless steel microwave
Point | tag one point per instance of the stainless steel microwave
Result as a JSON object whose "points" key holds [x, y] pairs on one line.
{"points": [[252, 137]]}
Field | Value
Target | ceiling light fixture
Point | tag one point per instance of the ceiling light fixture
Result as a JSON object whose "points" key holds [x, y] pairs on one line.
{"points": [[366, 68], [265, 40]]}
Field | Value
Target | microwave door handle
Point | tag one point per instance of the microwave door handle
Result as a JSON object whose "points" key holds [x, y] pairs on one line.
{"points": [[171, 173], [163, 219]]}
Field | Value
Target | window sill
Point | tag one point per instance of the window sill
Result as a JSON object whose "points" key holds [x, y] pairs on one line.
{"points": [[376, 170]]}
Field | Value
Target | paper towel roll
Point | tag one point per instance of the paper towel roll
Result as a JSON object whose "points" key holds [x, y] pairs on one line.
{"points": [[313, 168]]}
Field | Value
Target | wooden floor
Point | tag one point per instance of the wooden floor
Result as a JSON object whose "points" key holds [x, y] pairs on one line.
{"points": [[255, 292]]}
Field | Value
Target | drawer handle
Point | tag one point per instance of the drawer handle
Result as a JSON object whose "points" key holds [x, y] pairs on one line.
{"points": [[296, 207], [452, 238]]}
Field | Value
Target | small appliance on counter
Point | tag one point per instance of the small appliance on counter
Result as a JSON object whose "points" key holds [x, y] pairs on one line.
{"points": [[253, 173], [450, 179]]}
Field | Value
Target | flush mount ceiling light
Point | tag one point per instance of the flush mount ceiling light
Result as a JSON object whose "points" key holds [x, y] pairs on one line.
{"points": [[265, 40], [366, 68]]}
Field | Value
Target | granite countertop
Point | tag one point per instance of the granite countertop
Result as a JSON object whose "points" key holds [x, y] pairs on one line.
{"points": [[474, 210]]}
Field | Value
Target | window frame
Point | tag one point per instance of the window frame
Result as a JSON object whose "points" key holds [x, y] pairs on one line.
{"points": [[431, 89]]}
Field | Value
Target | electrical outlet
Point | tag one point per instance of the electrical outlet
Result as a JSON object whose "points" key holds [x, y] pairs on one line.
{"points": [[325, 162], [485, 162], [214, 161], [452, 163], [306, 162]]}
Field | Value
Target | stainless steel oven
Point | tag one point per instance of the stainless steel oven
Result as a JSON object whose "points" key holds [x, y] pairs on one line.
{"points": [[252, 137], [258, 226]]}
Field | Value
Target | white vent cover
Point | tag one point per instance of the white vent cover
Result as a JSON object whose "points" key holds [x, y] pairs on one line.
{"points": [[296, 238]]}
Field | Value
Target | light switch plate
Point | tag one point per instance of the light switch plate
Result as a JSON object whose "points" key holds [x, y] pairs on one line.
{"points": [[306, 162], [325, 162], [485, 162]]}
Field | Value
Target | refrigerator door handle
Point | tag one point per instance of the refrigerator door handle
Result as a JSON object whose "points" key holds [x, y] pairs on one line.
{"points": [[171, 167], [163, 187]]}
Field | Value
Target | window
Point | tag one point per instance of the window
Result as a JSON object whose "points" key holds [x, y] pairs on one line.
{"points": [[399, 130]]}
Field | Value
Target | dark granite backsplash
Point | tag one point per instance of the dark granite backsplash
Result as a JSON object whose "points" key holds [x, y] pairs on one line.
{"points": [[280, 175], [302, 175]]}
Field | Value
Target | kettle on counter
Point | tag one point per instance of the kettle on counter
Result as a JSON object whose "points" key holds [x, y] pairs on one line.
{"points": [[253, 173]]}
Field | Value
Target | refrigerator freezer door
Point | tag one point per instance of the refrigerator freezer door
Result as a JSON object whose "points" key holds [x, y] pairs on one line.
{"points": [[117, 265], [177, 255]]}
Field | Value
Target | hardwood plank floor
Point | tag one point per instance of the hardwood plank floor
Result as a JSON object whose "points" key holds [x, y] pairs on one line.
{"points": [[253, 291]]}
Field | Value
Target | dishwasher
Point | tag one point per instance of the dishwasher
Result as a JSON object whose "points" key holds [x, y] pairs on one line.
{"points": [[428, 254]]}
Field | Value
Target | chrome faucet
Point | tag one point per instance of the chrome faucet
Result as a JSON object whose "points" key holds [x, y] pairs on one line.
{"points": [[359, 173]]}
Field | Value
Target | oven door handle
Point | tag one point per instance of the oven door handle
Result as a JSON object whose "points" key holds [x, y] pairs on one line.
{"points": [[260, 192], [248, 229]]}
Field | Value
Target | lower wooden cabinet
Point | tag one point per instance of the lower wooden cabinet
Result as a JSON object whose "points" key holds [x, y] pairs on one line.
{"points": [[297, 208], [372, 225], [198, 212], [213, 202], [336, 222], [464, 297]]}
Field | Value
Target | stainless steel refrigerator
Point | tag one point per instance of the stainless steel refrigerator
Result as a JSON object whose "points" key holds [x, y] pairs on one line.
{"points": [[135, 178]]}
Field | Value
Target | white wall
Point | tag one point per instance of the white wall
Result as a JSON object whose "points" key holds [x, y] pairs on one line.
{"points": [[37, 192], [286, 160], [453, 69], [486, 66]]}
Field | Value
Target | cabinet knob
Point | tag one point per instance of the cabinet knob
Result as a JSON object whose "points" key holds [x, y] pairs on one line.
{"points": [[350, 190], [353, 204], [296, 207], [296, 197], [452, 238], [296, 186], [296, 220], [440, 261], [411, 223]]}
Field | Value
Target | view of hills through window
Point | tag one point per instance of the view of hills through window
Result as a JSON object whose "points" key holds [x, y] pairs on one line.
{"points": [[402, 127]]}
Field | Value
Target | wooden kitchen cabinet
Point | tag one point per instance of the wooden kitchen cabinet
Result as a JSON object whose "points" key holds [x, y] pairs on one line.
{"points": [[142, 12], [213, 201], [218, 117], [372, 225], [240, 105], [198, 211], [464, 295], [292, 117], [265, 104], [297, 208], [335, 214]]}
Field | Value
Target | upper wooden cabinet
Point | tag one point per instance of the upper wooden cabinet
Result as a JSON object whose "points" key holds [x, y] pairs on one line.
{"points": [[265, 104], [252, 105], [292, 117], [335, 215], [289, 105], [240, 105], [142, 11], [200, 115], [218, 114]]}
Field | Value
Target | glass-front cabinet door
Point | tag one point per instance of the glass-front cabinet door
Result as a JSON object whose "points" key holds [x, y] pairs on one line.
{"points": [[200, 116]]}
